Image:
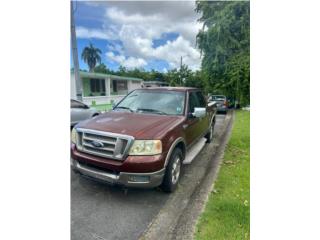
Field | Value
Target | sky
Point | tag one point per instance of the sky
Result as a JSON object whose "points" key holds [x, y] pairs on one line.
{"points": [[149, 35]]}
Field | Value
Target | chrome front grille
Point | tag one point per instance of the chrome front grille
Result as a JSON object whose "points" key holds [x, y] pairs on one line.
{"points": [[103, 144]]}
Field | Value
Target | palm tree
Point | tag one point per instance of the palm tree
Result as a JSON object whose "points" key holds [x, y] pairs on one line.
{"points": [[91, 56]]}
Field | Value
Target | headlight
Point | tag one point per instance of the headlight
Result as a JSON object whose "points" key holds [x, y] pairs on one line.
{"points": [[74, 136], [146, 147]]}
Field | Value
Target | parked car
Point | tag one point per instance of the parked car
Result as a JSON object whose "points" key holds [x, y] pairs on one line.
{"points": [[231, 102], [80, 111], [145, 139], [222, 102]]}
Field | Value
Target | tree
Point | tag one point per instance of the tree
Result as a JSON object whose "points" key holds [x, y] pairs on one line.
{"points": [[154, 75], [185, 74], [102, 68], [122, 70], [173, 77], [224, 42], [196, 79], [91, 56]]}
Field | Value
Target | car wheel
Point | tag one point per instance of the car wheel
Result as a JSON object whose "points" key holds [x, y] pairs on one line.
{"points": [[173, 171], [209, 135], [96, 114]]}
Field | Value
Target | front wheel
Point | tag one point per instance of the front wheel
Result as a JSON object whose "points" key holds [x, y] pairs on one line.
{"points": [[173, 170]]}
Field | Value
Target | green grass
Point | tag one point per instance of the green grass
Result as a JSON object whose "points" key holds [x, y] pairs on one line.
{"points": [[227, 213], [103, 107]]}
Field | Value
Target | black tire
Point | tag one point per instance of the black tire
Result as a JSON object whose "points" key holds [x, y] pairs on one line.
{"points": [[209, 135], [170, 182], [96, 114]]}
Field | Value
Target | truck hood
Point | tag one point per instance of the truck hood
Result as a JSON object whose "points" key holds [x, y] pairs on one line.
{"points": [[138, 125]]}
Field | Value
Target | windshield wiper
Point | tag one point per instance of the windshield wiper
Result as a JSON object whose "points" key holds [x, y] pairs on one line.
{"points": [[124, 108], [151, 110]]}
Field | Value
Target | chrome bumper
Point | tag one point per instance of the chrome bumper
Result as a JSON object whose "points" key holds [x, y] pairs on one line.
{"points": [[147, 180]]}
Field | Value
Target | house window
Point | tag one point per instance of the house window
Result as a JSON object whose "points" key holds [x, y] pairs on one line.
{"points": [[122, 85], [119, 87], [114, 86], [97, 85]]}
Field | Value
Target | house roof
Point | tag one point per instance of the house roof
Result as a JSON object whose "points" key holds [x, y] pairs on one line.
{"points": [[102, 75]]}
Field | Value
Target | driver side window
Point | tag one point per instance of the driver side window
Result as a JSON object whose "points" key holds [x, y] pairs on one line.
{"points": [[193, 102], [201, 99]]}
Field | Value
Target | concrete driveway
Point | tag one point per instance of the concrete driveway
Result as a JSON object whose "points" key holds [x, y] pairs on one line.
{"points": [[99, 211]]}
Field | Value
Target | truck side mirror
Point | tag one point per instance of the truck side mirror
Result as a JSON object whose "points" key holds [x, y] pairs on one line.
{"points": [[190, 115], [199, 112]]}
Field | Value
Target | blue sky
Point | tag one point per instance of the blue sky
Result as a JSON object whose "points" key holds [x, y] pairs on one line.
{"points": [[148, 35]]}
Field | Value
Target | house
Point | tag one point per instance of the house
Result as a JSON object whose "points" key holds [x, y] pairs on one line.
{"points": [[99, 88]]}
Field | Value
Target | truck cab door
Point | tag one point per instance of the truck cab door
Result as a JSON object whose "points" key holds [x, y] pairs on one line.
{"points": [[205, 121], [193, 124]]}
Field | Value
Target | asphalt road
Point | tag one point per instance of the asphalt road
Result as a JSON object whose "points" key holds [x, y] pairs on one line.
{"points": [[103, 212]]}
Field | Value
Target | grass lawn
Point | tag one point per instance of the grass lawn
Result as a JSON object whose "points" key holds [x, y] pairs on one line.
{"points": [[227, 213], [103, 107]]}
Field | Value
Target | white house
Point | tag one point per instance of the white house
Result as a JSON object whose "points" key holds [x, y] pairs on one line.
{"points": [[104, 88]]}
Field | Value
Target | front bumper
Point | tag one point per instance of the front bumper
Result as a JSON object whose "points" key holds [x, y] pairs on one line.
{"points": [[142, 180]]}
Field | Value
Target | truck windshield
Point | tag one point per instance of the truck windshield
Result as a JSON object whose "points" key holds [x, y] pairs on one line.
{"points": [[153, 102]]}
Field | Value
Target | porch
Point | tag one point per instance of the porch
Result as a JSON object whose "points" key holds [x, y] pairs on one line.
{"points": [[101, 89]]}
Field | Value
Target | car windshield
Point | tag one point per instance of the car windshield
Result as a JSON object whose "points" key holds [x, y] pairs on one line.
{"points": [[153, 102]]}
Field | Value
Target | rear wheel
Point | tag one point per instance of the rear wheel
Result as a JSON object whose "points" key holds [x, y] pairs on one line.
{"points": [[209, 135], [173, 171]]}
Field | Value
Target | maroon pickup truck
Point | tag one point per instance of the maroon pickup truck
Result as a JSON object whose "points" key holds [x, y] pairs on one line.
{"points": [[145, 139]]}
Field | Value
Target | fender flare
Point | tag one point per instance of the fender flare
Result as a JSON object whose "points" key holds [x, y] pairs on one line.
{"points": [[172, 147]]}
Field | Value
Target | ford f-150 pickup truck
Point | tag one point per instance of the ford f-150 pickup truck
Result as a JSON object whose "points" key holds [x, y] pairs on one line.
{"points": [[145, 139]]}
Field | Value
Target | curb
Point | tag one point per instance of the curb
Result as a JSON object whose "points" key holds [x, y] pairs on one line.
{"points": [[186, 226], [177, 218]]}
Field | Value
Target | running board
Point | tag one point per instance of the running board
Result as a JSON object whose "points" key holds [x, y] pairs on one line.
{"points": [[194, 150]]}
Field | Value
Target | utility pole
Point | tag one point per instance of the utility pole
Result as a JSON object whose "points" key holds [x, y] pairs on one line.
{"points": [[75, 55], [181, 70], [181, 79]]}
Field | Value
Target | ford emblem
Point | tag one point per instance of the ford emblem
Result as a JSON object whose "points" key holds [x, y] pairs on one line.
{"points": [[97, 144]]}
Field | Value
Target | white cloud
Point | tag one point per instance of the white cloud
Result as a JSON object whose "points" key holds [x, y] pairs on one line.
{"points": [[155, 24], [128, 62], [116, 48], [170, 52], [83, 32], [137, 24], [174, 50]]}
